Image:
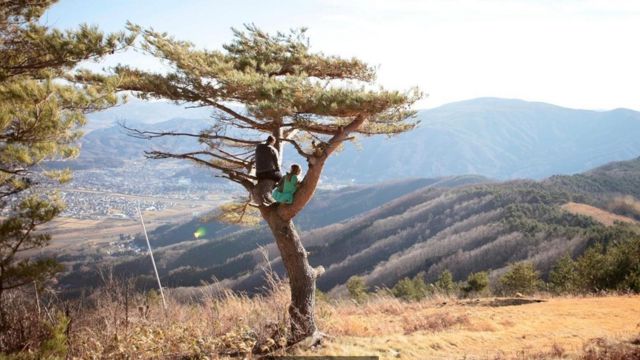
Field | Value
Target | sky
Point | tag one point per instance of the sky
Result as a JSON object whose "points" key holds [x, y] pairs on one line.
{"points": [[577, 54]]}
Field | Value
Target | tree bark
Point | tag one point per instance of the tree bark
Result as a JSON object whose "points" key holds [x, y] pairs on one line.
{"points": [[302, 277]]}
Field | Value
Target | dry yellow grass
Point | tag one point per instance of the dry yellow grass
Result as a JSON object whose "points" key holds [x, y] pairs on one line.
{"points": [[117, 324], [209, 327], [477, 330], [604, 217]]}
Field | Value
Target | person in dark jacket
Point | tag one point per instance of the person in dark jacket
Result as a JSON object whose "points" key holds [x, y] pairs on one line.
{"points": [[267, 172], [267, 162]]}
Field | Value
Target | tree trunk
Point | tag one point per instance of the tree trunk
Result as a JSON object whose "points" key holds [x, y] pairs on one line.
{"points": [[302, 277]]}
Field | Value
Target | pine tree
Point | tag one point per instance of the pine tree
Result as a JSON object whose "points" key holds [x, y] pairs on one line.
{"points": [[521, 278], [410, 289], [563, 277], [476, 282], [310, 101], [445, 283], [41, 112], [357, 288]]}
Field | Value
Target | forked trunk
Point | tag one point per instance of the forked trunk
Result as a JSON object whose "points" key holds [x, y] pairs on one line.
{"points": [[302, 279]]}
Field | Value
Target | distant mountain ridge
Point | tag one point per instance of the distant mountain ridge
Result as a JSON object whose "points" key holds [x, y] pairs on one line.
{"points": [[495, 138], [501, 139], [110, 146]]}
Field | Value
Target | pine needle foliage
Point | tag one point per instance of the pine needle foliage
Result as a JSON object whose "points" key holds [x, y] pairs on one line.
{"points": [[41, 113], [521, 278], [261, 83]]}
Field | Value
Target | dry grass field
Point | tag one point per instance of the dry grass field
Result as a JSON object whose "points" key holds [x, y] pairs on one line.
{"points": [[438, 328], [602, 216], [479, 329]]}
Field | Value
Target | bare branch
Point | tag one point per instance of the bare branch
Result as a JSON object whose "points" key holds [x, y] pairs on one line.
{"points": [[236, 158], [298, 148], [241, 178], [252, 123], [13, 171], [146, 134]]}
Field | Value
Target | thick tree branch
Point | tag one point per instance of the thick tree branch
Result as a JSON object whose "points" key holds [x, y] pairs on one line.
{"points": [[316, 164], [313, 127], [13, 171]]}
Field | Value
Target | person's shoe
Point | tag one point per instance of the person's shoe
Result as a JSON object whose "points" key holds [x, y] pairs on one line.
{"points": [[268, 200]]}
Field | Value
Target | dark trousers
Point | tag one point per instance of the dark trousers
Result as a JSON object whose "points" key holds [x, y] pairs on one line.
{"points": [[269, 175], [267, 181]]}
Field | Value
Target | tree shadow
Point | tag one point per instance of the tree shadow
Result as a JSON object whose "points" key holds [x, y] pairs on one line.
{"points": [[513, 302]]}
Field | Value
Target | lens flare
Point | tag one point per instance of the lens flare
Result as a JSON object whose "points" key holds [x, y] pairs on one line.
{"points": [[200, 232]]}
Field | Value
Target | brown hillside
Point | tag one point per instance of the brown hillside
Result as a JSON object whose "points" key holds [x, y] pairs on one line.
{"points": [[604, 217]]}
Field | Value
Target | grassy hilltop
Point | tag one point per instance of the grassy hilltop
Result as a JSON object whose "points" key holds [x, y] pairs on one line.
{"points": [[114, 324]]}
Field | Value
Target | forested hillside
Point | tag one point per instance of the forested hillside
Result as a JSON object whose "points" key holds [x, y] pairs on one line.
{"points": [[394, 230], [180, 254], [471, 229]]}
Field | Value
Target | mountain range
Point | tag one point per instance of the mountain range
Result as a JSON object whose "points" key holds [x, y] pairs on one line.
{"points": [[422, 214], [496, 138]]}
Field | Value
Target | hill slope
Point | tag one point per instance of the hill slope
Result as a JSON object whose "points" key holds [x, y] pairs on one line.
{"points": [[469, 229], [424, 226], [227, 250]]}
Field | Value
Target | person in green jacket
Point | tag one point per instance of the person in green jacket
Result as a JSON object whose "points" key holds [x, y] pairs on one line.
{"points": [[287, 186]]}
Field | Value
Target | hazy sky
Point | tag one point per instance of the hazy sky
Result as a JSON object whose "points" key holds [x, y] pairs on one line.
{"points": [[580, 54]]}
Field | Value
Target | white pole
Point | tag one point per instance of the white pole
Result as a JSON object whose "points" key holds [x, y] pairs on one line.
{"points": [[153, 261]]}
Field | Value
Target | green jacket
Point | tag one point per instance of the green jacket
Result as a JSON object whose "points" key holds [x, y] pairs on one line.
{"points": [[284, 193]]}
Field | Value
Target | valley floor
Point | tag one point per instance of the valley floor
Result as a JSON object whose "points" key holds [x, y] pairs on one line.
{"points": [[481, 329]]}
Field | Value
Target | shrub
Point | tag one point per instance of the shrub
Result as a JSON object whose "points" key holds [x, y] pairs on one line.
{"points": [[410, 289], [445, 283], [520, 278], [357, 288], [611, 265], [27, 333], [56, 345], [321, 296], [563, 278], [476, 283]]}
